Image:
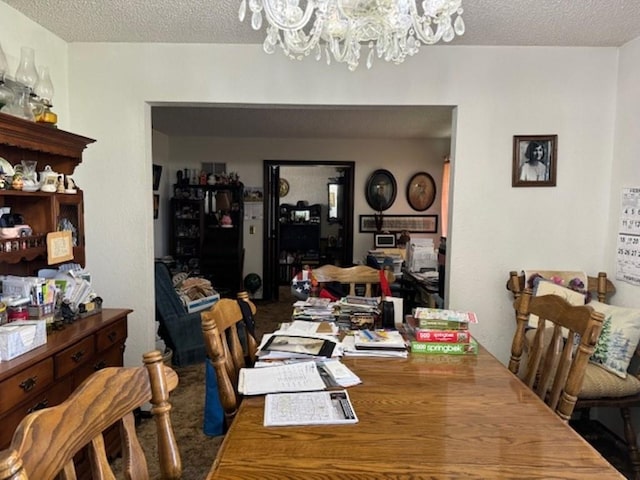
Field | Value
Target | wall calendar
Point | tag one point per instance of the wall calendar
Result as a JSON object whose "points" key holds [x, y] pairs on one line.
{"points": [[628, 248]]}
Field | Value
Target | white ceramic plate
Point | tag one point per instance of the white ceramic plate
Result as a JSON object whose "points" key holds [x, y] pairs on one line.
{"points": [[6, 167]]}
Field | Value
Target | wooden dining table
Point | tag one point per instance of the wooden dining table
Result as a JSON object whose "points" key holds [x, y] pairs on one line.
{"points": [[424, 417]]}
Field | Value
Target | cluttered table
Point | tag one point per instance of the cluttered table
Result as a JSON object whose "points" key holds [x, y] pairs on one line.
{"points": [[426, 285], [425, 416]]}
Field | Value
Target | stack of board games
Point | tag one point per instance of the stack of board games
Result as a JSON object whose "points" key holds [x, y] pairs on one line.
{"points": [[437, 331]]}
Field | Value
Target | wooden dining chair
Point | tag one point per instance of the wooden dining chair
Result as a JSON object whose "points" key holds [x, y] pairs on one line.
{"points": [[560, 350], [356, 276], [46, 441], [231, 345], [600, 388]]}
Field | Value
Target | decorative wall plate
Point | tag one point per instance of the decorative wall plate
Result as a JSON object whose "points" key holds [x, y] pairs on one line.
{"points": [[284, 187], [6, 167], [421, 191], [381, 190]]}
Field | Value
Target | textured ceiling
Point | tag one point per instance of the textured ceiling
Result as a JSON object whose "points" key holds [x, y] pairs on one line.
{"points": [[488, 22]]}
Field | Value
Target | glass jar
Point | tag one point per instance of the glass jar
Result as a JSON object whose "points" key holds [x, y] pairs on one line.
{"points": [[6, 94], [27, 74], [44, 86], [21, 106]]}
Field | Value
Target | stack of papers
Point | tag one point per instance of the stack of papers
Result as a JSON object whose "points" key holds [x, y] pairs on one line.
{"points": [[305, 327], [379, 339], [314, 309], [350, 349], [339, 373]]}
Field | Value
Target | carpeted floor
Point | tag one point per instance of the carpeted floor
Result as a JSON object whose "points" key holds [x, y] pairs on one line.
{"points": [[198, 451]]}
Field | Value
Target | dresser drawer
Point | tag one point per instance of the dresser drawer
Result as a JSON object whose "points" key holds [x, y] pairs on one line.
{"points": [[53, 396], [74, 357], [107, 337], [25, 384], [108, 358]]}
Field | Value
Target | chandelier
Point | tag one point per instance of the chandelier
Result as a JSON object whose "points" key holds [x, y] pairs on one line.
{"points": [[391, 29]]}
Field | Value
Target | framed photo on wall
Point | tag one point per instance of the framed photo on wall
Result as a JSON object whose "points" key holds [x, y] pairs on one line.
{"points": [[534, 161], [156, 205], [157, 173], [398, 223]]}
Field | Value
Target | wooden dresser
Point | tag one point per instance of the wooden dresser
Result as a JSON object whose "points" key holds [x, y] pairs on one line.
{"points": [[47, 375]]}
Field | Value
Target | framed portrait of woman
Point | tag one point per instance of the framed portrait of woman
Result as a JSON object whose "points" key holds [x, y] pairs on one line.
{"points": [[534, 160]]}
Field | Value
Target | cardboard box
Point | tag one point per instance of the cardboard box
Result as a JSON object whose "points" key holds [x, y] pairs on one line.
{"points": [[202, 303], [20, 337]]}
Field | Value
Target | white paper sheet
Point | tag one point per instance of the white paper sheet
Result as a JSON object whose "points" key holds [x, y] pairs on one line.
{"points": [[314, 408], [295, 377]]}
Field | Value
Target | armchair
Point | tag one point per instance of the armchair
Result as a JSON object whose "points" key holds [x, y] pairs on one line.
{"points": [[180, 330]]}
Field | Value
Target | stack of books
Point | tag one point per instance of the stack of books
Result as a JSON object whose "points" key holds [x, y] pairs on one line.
{"points": [[358, 313], [436, 331]]}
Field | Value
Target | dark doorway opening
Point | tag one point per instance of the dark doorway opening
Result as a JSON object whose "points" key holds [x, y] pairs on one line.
{"points": [[298, 233]]}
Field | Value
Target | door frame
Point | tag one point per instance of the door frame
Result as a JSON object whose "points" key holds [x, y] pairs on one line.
{"points": [[271, 232]]}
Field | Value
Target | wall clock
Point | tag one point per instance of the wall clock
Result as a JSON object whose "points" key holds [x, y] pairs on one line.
{"points": [[284, 187], [381, 190], [421, 191]]}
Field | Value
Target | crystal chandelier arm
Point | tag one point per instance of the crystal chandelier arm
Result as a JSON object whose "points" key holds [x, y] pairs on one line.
{"points": [[292, 43], [439, 15], [275, 15]]}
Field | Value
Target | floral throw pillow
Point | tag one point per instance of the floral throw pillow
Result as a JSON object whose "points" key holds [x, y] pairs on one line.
{"points": [[619, 337]]}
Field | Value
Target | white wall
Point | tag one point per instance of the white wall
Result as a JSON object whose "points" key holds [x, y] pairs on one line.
{"points": [[17, 31], [498, 95], [625, 170], [625, 173]]}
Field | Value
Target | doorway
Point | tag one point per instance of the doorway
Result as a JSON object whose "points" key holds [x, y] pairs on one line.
{"points": [[298, 228]]}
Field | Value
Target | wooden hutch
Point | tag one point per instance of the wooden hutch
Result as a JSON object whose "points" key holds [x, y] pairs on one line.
{"points": [[47, 375]]}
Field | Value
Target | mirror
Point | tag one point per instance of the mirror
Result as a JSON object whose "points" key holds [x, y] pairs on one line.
{"points": [[335, 202]]}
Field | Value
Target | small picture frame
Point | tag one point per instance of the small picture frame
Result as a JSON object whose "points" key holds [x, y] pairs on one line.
{"points": [[534, 160], [156, 205], [157, 173], [59, 247], [384, 240]]}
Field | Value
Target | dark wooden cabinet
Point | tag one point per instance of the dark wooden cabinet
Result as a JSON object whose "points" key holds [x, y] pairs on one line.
{"points": [[43, 212], [299, 239], [47, 375], [187, 225], [207, 233]]}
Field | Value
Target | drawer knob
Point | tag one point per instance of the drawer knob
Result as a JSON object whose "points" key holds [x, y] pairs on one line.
{"points": [[28, 384], [39, 406], [112, 336], [76, 357], [100, 365]]}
